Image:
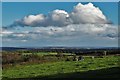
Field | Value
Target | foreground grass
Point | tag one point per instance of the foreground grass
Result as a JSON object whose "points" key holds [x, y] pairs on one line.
{"points": [[63, 67]]}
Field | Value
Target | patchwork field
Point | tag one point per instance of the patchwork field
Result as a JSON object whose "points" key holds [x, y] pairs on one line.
{"points": [[105, 67]]}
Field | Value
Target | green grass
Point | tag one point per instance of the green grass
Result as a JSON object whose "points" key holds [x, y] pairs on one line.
{"points": [[46, 69], [37, 53], [46, 53]]}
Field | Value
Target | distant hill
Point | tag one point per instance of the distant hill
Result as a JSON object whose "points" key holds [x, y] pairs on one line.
{"points": [[11, 48], [57, 48]]}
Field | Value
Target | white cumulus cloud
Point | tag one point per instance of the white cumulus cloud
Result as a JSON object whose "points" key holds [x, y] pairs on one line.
{"points": [[81, 14], [87, 13]]}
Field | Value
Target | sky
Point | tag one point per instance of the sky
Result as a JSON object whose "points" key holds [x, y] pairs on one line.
{"points": [[0, 21], [72, 24], [60, 1], [110, 9]]}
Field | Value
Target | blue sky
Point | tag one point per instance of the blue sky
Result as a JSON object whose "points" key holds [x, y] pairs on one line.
{"points": [[18, 10], [60, 1], [0, 14]]}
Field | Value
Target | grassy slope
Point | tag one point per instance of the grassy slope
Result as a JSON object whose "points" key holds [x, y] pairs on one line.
{"points": [[47, 69]]}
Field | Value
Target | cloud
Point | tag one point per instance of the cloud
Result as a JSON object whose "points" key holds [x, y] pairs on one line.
{"points": [[69, 31], [58, 18], [30, 20], [34, 20], [86, 23], [81, 14], [87, 13], [70, 35]]}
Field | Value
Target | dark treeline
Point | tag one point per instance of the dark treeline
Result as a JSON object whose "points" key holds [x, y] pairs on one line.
{"points": [[74, 51]]}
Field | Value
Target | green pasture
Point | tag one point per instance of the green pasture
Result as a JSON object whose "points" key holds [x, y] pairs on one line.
{"points": [[62, 67]]}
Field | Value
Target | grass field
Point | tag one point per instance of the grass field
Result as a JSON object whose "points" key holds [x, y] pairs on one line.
{"points": [[66, 68]]}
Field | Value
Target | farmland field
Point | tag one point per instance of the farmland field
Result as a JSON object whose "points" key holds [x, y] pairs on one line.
{"points": [[107, 67]]}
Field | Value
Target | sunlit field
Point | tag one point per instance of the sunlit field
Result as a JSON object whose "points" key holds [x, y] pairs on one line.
{"points": [[91, 67]]}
